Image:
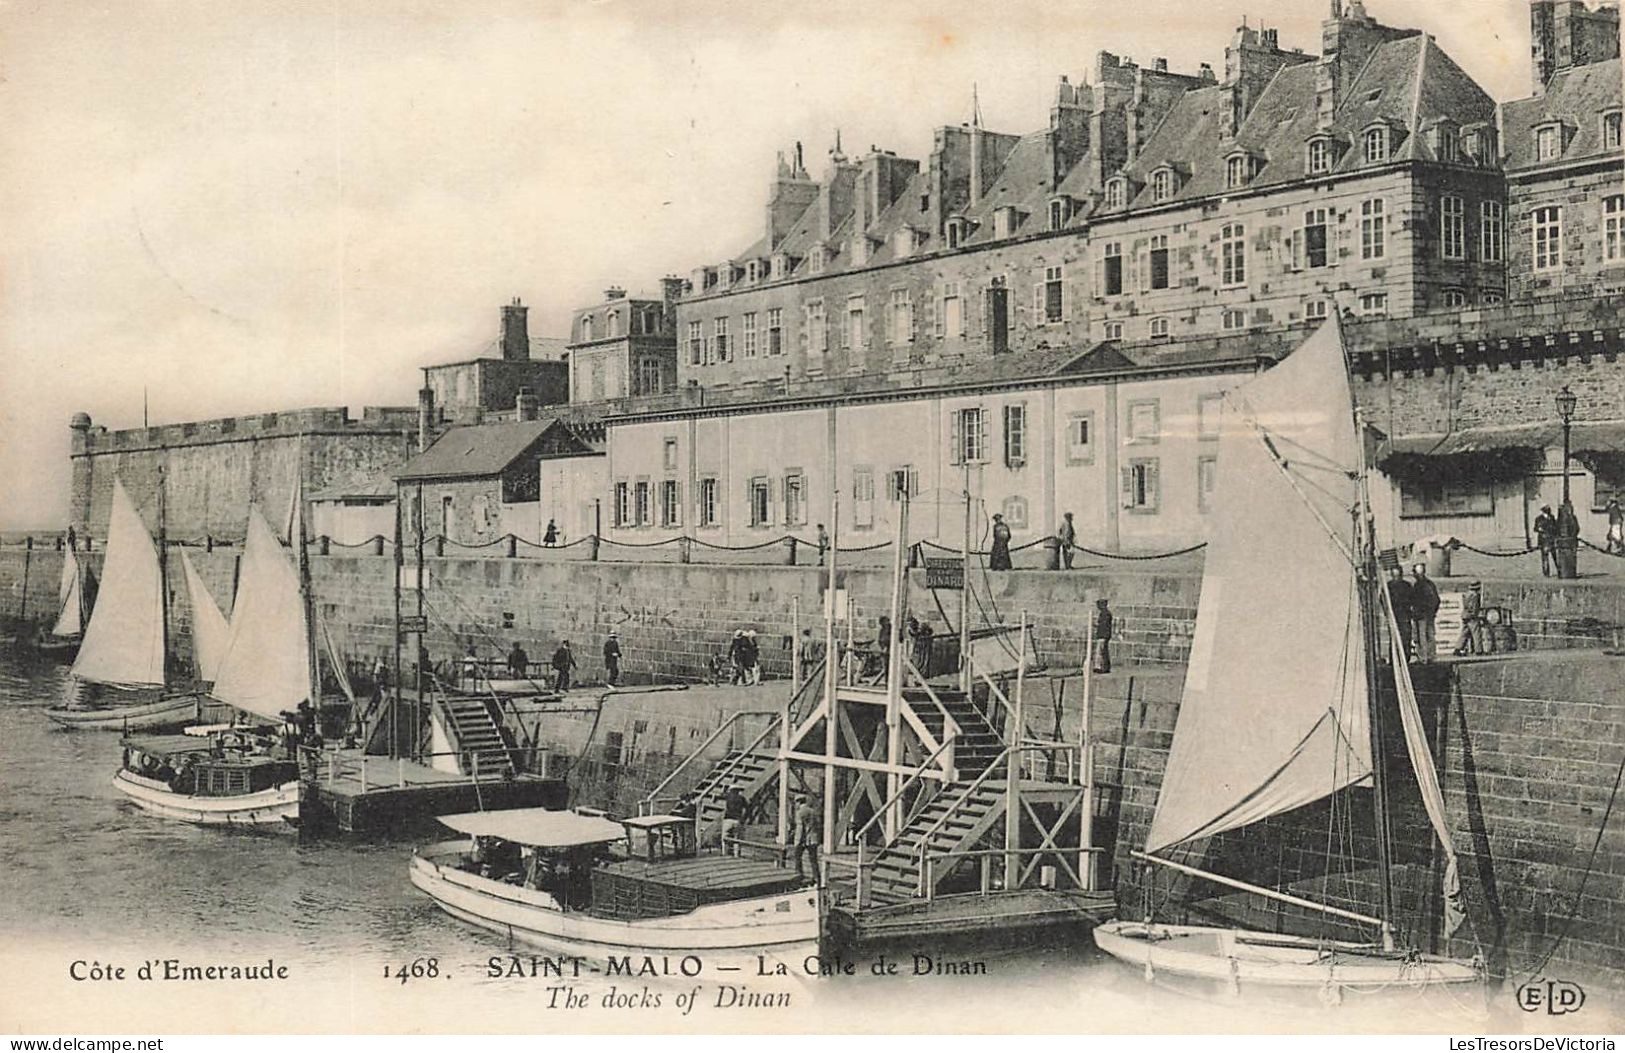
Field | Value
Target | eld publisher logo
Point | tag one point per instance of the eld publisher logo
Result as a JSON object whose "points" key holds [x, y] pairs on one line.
{"points": [[1556, 997]]}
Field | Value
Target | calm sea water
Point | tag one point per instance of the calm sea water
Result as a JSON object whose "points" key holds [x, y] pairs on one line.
{"points": [[89, 877]]}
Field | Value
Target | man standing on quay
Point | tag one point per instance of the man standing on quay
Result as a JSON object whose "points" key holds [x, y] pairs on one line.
{"points": [[1424, 608], [612, 659], [564, 663], [1066, 536]]}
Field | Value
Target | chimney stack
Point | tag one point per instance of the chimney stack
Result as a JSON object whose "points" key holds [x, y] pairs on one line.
{"points": [[515, 332], [614, 292], [425, 415], [525, 405]]}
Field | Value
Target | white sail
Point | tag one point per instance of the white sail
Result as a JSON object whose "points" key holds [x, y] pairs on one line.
{"points": [[211, 635], [265, 670], [70, 599], [1427, 777], [124, 642], [1274, 713]]}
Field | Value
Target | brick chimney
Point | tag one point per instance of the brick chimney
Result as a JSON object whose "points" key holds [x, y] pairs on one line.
{"points": [[1347, 40], [792, 193], [425, 414], [515, 332], [1565, 33], [1250, 62], [525, 405]]}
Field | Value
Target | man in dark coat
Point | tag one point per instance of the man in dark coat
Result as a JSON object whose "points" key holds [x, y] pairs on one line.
{"points": [[612, 658], [518, 661], [1399, 595], [564, 663], [1066, 536], [1103, 637], [738, 651], [1546, 539], [1424, 607], [1000, 559], [734, 807]]}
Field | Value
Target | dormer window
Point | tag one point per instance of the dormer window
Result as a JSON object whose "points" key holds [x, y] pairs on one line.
{"points": [[1320, 156], [858, 250], [751, 274], [1060, 211], [1374, 145], [780, 266], [1116, 191], [815, 260], [1611, 137], [614, 319], [902, 242], [1162, 184], [1447, 144], [1238, 170], [586, 328], [1548, 142], [1005, 221]]}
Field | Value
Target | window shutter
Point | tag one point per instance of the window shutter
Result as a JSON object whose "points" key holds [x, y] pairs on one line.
{"points": [[1153, 490], [913, 321], [956, 437], [939, 313], [1126, 485], [1038, 302]]}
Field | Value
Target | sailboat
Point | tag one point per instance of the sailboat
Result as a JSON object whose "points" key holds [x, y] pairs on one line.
{"points": [[1279, 707], [244, 774], [211, 632], [65, 635], [120, 680]]}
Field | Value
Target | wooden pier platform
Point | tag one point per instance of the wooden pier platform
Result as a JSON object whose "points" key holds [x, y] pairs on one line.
{"points": [[992, 917], [353, 795]]}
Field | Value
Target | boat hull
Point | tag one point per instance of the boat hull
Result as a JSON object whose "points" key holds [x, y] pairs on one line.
{"points": [[782, 927], [57, 648], [173, 711], [274, 808], [1212, 960]]}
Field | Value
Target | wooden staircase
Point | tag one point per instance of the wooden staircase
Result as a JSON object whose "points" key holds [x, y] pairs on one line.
{"points": [[895, 875], [477, 731], [978, 744], [751, 772]]}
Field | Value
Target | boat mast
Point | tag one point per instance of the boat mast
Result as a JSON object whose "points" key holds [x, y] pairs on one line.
{"points": [[1368, 583], [312, 669], [163, 570]]}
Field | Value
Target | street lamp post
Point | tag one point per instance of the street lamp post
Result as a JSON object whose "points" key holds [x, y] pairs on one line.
{"points": [[1568, 528], [1566, 401]]}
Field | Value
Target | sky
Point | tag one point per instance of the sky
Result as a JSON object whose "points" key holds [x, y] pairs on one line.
{"points": [[255, 206]]}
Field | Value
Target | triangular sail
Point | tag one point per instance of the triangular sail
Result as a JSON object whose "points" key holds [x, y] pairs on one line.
{"points": [[211, 635], [1427, 778], [1274, 713], [70, 600], [124, 642], [265, 670]]}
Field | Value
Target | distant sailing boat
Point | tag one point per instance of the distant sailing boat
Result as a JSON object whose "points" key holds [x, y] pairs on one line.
{"points": [[211, 633], [267, 668], [120, 680], [64, 638], [1279, 705]]}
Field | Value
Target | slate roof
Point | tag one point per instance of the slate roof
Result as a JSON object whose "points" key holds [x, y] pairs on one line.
{"points": [[542, 349], [1407, 83], [480, 450], [1577, 96]]}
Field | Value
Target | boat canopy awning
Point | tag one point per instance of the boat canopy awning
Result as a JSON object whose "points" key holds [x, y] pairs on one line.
{"points": [[538, 827], [644, 822], [165, 745]]}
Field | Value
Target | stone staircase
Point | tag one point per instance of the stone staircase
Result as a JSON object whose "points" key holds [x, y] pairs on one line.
{"points": [[895, 875], [978, 745], [476, 729]]}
